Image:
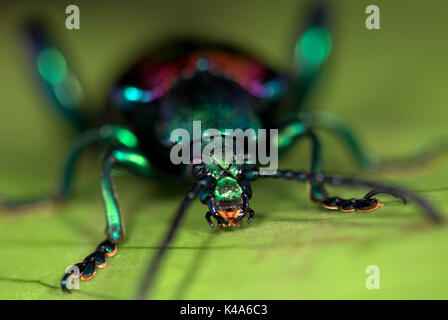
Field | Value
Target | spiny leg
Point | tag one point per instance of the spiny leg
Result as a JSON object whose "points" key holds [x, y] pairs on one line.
{"points": [[134, 162], [404, 194]]}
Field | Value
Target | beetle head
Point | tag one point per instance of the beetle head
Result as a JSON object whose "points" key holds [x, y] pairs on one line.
{"points": [[226, 191]]}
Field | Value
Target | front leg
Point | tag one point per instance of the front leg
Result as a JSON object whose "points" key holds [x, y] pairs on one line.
{"points": [[135, 162], [293, 131], [401, 193]]}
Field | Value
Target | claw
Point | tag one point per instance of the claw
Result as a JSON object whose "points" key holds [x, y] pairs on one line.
{"points": [[368, 204]]}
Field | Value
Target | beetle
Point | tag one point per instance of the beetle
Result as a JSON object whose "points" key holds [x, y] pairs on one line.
{"points": [[223, 87]]}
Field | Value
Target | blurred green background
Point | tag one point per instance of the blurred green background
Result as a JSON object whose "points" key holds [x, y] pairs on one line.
{"points": [[390, 85]]}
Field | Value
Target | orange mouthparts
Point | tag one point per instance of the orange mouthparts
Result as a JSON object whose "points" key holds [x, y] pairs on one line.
{"points": [[230, 215]]}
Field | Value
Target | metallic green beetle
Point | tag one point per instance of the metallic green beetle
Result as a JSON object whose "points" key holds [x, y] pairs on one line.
{"points": [[185, 81]]}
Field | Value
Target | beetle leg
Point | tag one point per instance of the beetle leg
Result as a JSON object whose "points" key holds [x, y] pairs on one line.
{"points": [[221, 221], [81, 143], [307, 67], [87, 268], [213, 210], [361, 204], [208, 217], [135, 162], [297, 129], [154, 265], [288, 135], [364, 204], [107, 135], [367, 203], [339, 128], [67, 96]]}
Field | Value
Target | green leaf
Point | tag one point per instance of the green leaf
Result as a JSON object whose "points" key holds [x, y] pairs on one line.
{"points": [[388, 85]]}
